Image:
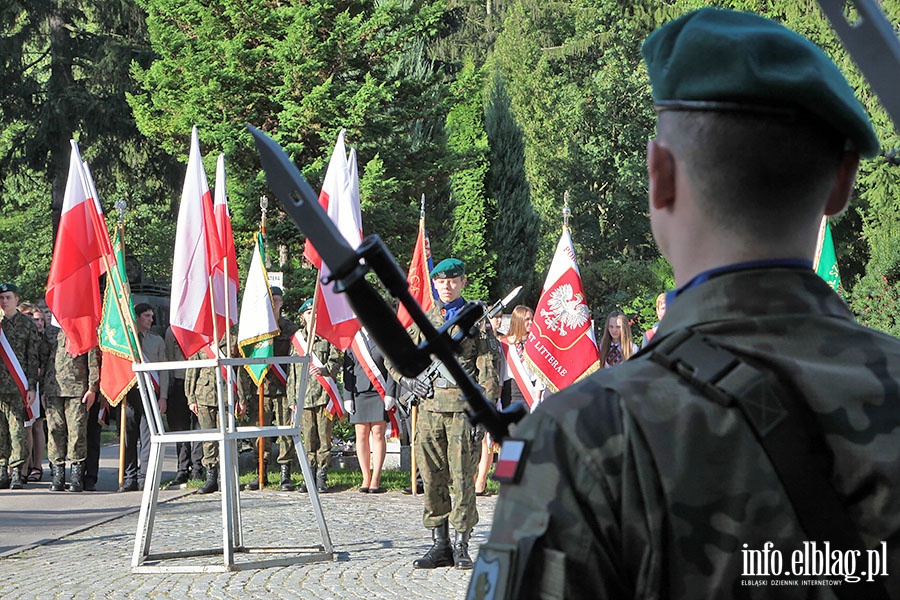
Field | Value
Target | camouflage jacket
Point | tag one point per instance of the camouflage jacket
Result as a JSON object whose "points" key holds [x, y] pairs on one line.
{"points": [[25, 341], [200, 384], [331, 361], [74, 375], [47, 361], [635, 485], [478, 356]]}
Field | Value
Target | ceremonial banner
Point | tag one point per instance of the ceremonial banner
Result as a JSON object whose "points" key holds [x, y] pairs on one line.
{"points": [[335, 408], [825, 263], [419, 276], [561, 347], [225, 289], [197, 250], [258, 325], [339, 197], [73, 293], [118, 347]]}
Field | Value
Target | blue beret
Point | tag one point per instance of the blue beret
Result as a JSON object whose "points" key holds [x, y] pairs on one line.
{"points": [[448, 269], [9, 287], [716, 59], [307, 305]]}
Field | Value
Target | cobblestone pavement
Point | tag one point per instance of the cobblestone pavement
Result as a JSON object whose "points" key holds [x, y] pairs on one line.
{"points": [[375, 537]]}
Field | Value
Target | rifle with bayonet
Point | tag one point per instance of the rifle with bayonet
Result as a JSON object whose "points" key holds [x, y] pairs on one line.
{"points": [[348, 270], [411, 398]]}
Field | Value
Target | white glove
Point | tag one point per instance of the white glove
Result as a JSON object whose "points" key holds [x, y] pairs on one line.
{"points": [[389, 403], [348, 406]]}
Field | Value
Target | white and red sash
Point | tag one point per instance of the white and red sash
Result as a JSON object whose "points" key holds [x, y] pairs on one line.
{"points": [[367, 362], [15, 370], [521, 375], [326, 381]]}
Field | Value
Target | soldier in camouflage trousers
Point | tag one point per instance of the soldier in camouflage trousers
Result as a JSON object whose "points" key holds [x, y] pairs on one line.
{"points": [[315, 421], [24, 340], [447, 446], [69, 395], [659, 478]]}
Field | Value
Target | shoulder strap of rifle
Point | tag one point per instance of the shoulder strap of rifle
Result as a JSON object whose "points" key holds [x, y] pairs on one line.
{"points": [[785, 428]]}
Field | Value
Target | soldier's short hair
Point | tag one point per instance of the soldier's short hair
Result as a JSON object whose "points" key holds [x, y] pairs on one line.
{"points": [[141, 308]]}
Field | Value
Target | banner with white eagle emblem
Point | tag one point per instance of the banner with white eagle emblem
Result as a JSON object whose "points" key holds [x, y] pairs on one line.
{"points": [[561, 347]]}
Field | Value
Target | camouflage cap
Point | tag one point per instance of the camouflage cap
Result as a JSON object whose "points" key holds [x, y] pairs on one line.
{"points": [[307, 305], [716, 59], [9, 287], [448, 269]]}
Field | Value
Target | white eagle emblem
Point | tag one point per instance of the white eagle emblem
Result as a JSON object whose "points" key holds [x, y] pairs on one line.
{"points": [[567, 310]]}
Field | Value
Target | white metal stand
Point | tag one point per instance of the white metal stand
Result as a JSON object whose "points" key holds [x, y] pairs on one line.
{"points": [[226, 436]]}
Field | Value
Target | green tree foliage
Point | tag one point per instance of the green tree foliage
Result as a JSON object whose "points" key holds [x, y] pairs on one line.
{"points": [[473, 210], [517, 225]]}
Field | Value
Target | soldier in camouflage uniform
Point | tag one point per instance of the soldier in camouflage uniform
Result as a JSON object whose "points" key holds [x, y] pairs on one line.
{"points": [[447, 446], [24, 340], [276, 403], [70, 395], [636, 483], [315, 421]]}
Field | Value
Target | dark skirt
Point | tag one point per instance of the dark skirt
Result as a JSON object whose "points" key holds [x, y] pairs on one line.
{"points": [[369, 409]]}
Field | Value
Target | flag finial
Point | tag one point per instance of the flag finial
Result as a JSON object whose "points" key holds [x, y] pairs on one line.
{"points": [[566, 211], [422, 208], [121, 205]]}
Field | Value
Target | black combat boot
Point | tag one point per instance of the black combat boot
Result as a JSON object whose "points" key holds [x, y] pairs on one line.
{"points": [[322, 481], [461, 558], [16, 481], [76, 477], [212, 481], [440, 554], [58, 479], [254, 485], [286, 484], [302, 487]]}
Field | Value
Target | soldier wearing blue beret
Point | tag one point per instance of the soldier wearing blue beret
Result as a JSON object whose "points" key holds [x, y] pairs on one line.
{"points": [[759, 419]]}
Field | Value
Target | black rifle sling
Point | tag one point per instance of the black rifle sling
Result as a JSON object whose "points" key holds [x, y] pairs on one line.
{"points": [[785, 428]]}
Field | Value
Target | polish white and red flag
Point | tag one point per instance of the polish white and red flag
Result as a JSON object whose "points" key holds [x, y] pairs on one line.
{"points": [[335, 320], [225, 275], [73, 292], [561, 347], [197, 250], [327, 382], [370, 367]]}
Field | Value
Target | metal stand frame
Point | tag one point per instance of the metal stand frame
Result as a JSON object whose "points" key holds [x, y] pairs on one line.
{"points": [[226, 436]]}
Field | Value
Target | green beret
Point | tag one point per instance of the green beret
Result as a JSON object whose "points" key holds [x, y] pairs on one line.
{"points": [[276, 291], [9, 287], [718, 59], [448, 269], [307, 305]]}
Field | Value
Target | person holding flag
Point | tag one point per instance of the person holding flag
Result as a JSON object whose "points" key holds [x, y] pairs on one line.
{"points": [[20, 351], [321, 400], [447, 446]]}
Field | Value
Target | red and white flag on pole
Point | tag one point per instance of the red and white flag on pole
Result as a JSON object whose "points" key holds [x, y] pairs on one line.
{"points": [[225, 289], [561, 347], [335, 320], [419, 275], [73, 293], [197, 250]]}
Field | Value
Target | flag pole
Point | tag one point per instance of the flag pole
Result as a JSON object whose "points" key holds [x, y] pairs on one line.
{"points": [[414, 411], [260, 442]]}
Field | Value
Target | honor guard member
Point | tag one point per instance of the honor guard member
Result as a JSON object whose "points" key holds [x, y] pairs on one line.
{"points": [[761, 417], [24, 343], [70, 397], [448, 447], [315, 421]]}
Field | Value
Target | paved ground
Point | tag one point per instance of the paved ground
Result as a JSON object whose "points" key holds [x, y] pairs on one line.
{"points": [[375, 538]]}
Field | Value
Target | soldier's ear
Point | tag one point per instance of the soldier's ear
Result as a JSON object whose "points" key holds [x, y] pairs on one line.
{"points": [[661, 172]]}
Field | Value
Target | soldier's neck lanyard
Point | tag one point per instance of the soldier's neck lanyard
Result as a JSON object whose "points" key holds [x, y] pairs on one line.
{"points": [[705, 276], [451, 308]]}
